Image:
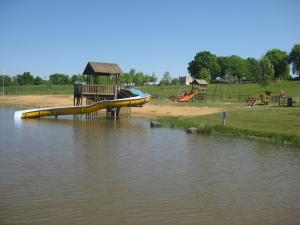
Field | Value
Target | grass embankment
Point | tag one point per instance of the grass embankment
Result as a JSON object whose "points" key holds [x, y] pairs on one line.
{"points": [[279, 124], [39, 90], [227, 91]]}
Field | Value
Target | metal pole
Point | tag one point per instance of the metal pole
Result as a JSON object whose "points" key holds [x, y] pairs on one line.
{"points": [[3, 84]]}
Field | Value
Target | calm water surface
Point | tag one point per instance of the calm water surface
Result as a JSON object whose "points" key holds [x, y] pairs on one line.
{"points": [[69, 171]]}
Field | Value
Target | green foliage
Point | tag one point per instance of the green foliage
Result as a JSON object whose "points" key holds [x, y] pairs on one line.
{"points": [[153, 78], [233, 66], [247, 122], [38, 81], [25, 79], [58, 79], [252, 69], [229, 92], [175, 81], [204, 60], [294, 59], [138, 78], [7, 80], [78, 78], [204, 74], [266, 71], [279, 60], [166, 80]]}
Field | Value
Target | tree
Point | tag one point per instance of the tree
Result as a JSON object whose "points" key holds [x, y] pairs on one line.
{"points": [[58, 79], [153, 78], [138, 78], [266, 71], [204, 74], [7, 80], [38, 81], [166, 80], [175, 81], [128, 78], [204, 60], [294, 59], [147, 78], [78, 77], [25, 79], [279, 60], [233, 66], [252, 68], [223, 62]]}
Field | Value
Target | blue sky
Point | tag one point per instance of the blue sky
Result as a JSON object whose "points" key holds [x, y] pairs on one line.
{"points": [[45, 37]]}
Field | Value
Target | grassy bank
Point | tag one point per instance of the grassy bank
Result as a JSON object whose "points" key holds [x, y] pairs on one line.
{"points": [[281, 125], [228, 91], [39, 90]]}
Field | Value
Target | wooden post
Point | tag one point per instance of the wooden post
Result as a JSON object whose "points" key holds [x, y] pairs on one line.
{"points": [[224, 118]]}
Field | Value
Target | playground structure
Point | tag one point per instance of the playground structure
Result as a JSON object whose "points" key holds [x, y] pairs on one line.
{"points": [[262, 99], [198, 92], [97, 96], [94, 89], [134, 101]]}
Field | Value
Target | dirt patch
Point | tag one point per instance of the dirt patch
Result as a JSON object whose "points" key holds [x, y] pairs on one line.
{"points": [[39, 101], [148, 110], [160, 110]]}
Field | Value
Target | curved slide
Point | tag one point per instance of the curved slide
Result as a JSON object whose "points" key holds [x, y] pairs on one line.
{"points": [[188, 97], [72, 110]]}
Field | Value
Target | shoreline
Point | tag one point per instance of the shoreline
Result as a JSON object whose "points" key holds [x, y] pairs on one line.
{"points": [[173, 116], [148, 110]]}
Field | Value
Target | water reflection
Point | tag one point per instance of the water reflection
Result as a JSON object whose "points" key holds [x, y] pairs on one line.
{"points": [[69, 171]]}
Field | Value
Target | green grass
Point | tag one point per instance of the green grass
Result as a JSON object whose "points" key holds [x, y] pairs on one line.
{"points": [[39, 90], [280, 124], [228, 91]]}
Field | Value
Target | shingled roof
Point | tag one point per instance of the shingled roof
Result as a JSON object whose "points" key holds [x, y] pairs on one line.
{"points": [[102, 69]]}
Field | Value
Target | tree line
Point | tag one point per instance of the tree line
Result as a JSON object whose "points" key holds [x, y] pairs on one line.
{"points": [[130, 78], [208, 66]]}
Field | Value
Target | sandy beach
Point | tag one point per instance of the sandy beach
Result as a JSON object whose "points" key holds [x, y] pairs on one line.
{"points": [[148, 110]]}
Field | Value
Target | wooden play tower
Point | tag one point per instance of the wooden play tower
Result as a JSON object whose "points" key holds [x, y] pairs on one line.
{"points": [[199, 86], [103, 83]]}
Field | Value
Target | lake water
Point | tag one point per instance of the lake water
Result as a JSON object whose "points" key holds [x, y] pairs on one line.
{"points": [[102, 171]]}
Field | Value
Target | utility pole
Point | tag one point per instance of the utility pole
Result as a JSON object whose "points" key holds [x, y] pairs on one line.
{"points": [[3, 85]]}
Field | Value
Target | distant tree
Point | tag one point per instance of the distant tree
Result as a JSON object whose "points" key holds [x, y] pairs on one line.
{"points": [[138, 78], [25, 79], [279, 60], [294, 59], [223, 62], [166, 80], [204, 74], [147, 78], [59, 79], [252, 68], [233, 66], [78, 77], [7, 80], [123, 78], [38, 80], [153, 78], [131, 75], [175, 81], [266, 72], [204, 60]]}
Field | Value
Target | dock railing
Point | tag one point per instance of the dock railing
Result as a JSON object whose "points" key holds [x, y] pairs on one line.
{"points": [[88, 89]]}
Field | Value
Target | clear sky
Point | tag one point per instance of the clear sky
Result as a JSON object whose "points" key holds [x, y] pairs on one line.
{"points": [[45, 37]]}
